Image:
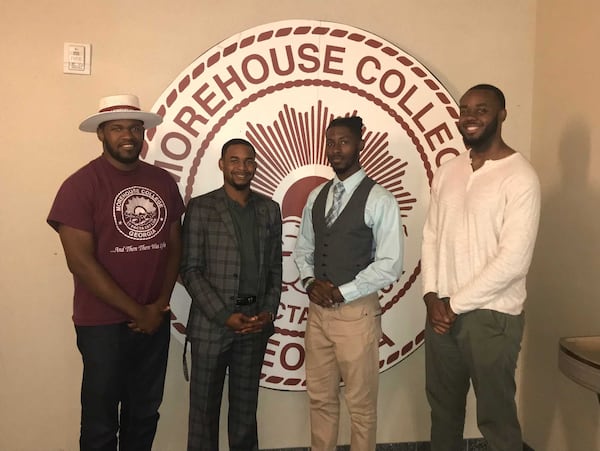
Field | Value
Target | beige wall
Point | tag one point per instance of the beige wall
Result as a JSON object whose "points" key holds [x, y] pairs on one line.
{"points": [[557, 414], [140, 46]]}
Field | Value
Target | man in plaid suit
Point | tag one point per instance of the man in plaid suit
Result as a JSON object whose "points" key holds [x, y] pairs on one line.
{"points": [[231, 267]]}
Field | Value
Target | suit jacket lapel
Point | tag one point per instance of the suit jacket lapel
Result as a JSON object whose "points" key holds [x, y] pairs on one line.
{"points": [[223, 211]]}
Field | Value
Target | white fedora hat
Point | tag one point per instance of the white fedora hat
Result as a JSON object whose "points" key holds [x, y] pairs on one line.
{"points": [[123, 106]]}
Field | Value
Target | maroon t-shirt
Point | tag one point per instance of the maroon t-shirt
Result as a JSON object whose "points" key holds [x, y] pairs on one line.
{"points": [[129, 213]]}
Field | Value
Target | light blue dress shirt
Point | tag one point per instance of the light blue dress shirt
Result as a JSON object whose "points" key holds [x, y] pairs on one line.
{"points": [[382, 215]]}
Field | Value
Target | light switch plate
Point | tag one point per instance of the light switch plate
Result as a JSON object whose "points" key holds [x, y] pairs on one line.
{"points": [[77, 58]]}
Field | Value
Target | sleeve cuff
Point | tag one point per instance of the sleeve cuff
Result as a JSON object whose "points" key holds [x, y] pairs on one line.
{"points": [[349, 292], [222, 316]]}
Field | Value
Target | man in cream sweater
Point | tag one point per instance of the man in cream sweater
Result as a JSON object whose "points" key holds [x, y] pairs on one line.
{"points": [[478, 242]]}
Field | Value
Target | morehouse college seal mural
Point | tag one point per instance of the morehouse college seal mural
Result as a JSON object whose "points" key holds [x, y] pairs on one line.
{"points": [[278, 86]]}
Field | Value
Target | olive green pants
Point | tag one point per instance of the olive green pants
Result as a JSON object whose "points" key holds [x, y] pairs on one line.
{"points": [[482, 347]]}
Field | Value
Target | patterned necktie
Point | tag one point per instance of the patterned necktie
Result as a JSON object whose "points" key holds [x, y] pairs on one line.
{"points": [[336, 205]]}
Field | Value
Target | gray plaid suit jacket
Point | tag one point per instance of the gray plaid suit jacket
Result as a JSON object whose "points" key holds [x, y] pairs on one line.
{"points": [[210, 262]]}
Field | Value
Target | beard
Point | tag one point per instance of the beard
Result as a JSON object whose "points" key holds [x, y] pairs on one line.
{"points": [[125, 158], [240, 186], [482, 141], [348, 165]]}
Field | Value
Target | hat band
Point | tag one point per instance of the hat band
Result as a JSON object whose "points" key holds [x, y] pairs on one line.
{"points": [[118, 107]]}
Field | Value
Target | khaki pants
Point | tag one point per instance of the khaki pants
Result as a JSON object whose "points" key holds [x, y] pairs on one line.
{"points": [[343, 343]]}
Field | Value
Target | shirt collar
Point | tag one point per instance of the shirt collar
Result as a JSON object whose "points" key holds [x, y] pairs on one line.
{"points": [[231, 202], [351, 182]]}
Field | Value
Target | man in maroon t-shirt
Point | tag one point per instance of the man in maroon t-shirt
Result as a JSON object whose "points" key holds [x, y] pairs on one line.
{"points": [[118, 219]]}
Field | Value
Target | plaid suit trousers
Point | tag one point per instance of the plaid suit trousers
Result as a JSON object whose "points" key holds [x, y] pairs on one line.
{"points": [[242, 356]]}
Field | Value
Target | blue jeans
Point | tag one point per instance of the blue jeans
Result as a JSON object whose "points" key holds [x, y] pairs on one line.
{"points": [[122, 369]]}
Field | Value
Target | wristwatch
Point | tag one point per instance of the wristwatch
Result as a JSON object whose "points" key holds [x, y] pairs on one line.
{"points": [[308, 282]]}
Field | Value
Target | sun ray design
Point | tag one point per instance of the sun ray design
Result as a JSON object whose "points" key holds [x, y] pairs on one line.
{"points": [[297, 139], [294, 140], [385, 169]]}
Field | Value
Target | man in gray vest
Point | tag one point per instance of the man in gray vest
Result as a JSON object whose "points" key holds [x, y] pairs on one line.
{"points": [[349, 246]]}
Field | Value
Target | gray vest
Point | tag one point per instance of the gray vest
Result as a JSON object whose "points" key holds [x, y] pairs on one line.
{"points": [[344, 249]]}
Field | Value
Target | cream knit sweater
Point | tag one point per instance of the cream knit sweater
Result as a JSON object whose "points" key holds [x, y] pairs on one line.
{"points": [[480, 233]]}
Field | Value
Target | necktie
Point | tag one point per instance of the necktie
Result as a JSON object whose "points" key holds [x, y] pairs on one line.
{"points": [[336, 205]]}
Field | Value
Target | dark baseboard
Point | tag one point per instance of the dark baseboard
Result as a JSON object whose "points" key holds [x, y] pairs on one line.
{"points": [[471, 444]]}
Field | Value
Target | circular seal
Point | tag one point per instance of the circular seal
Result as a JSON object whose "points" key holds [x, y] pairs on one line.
{"points": [[278, 86], [139, 213]]}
